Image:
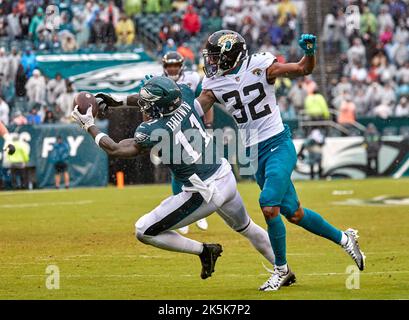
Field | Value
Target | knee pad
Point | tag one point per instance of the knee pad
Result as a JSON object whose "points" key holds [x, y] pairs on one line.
{"points": [[289, 209], [140, 228], [268, 197]]}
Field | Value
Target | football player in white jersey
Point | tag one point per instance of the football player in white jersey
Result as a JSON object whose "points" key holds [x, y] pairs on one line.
{"points": [[173, 67], [245, 86]]}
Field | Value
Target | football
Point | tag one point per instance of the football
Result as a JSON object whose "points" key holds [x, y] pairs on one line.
{"points": [[84, 100]]}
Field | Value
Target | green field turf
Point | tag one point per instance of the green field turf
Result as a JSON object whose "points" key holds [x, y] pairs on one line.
{"points": [[89, 235]]}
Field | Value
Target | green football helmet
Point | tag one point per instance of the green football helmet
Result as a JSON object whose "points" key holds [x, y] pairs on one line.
{"points": [[160, 96]]}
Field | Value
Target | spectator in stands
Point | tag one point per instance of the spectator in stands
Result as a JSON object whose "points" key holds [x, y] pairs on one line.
{"points": [[152, 6], [13, 24], [343, 86], [389, 95], [357, 53], [286, 8], [13, 63], [133, 7], [97, 35], [230, 20], [20, 82], [401, 54], [374, 94], [402, 75], [186, 52], [316, 107], [37, 20], [59, 157], [125, 30], [372, 144], [368, 22], [347, 111], [33, 117], [402, 109], [64, 103], [313, 145], [361, 102], [49, 117], [332, 33], [36, 89], [19, 119], [214, 23], [383, 110], [68, 42], [358, 73], [55, 87], [191, 22], [309, 85], [287, 110], [81, 28], [297, 95], [18, 162], [4, 67], [29, 62], [4, 112], [276, 34], [385, 19], [169, 46], [386, 36], [111, 13], [3, 23]]}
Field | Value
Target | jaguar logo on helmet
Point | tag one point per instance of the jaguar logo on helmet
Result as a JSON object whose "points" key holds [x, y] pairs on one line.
{"points": [[227, 41]]}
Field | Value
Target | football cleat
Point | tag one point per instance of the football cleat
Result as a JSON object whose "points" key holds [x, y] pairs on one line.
{"points": [[184, 230], [208, 259], [352, 248], [202, 224], [278, 279]]}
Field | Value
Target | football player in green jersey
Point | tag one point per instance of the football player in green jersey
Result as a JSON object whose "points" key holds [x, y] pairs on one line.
{"points": [[177, 135]]}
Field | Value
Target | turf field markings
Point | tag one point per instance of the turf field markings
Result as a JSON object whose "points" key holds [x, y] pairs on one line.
{"points": [[41, 204], [230, 275]]}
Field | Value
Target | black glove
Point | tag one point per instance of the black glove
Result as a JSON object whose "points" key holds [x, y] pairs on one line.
{"points": [[105, 101], [11, 149]]}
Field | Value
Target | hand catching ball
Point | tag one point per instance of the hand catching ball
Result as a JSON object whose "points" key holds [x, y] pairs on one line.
{"points": [[84, 100]]}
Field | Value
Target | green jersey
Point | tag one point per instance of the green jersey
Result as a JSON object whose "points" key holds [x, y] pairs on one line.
{"points": [[182, 143]]}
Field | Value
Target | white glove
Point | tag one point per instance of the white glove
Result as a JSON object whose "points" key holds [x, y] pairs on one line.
{"points": [[84, 120]]}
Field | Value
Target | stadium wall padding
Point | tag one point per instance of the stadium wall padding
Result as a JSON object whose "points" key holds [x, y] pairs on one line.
{"points": [[88, 164]]}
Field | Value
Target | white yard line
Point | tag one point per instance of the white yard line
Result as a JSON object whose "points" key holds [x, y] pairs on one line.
{"points": [[43, 204], [231, 275]]}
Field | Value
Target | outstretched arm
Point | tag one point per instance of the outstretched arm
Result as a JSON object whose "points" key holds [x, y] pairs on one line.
{"points": [[301, 68], [127, 148], [291, 70]]}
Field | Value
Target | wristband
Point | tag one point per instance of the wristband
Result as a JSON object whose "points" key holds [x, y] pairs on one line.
{"points": [[99, 136]]}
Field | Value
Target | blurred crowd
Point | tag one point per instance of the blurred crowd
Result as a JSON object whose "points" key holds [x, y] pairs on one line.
{"points": [[372, 78], [373, 69]]}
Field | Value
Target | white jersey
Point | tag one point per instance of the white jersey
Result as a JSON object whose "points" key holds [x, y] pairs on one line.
{"points": [[249, 98], [189, 78]]}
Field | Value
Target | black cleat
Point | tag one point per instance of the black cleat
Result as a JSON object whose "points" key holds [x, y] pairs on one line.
{"points": [[208, 259]]}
